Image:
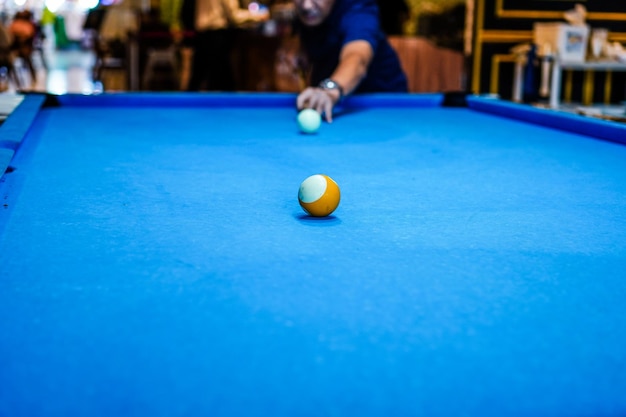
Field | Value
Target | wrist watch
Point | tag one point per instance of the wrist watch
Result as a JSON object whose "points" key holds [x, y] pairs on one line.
{"points": [[329, 84]]}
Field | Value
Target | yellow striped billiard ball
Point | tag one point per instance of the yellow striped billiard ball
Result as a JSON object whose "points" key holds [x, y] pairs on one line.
{"points": [[319, 195]]}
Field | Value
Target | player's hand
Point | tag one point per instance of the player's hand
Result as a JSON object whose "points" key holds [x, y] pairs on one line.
{"points": [[320, 100], [262, 16]]}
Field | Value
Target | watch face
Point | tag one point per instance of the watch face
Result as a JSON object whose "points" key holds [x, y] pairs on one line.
{"points": [[329, 84]]}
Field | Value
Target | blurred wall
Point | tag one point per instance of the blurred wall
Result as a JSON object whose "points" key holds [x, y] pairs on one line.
{"points": [[419, 7]]}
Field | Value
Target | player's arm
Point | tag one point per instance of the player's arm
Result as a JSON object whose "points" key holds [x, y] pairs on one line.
{"points": [[239, 16], [354, 60]]}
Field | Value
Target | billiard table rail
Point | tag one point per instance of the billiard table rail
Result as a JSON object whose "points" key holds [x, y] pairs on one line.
{"points": [[16, 125]]}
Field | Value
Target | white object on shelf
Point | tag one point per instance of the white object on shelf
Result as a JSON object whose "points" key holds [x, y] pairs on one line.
{"points": [[568, 42], [552, 68]]}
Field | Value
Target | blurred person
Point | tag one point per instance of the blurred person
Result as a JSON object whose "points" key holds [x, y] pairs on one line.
{"points": [[212, 21], [6, 59], [119, 21], [23, 31], [348, 52]]}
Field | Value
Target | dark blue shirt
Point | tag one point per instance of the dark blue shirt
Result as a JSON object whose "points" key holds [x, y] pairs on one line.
{"points": [[352, 20]]}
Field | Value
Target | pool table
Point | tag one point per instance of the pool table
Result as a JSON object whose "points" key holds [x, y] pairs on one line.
{"points": [[154, 259]]}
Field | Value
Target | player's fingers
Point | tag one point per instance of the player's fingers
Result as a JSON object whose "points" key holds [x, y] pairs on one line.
{"points": [[328, 109], [301, 100], [304, 98], [312, 100], [320, 105]]}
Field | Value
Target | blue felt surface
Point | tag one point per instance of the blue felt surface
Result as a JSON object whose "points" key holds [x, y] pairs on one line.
{"points": [[475, 266]]}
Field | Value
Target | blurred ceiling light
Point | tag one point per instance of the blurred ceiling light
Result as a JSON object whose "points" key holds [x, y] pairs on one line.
{"points": [[87, 4], [54, 5]]}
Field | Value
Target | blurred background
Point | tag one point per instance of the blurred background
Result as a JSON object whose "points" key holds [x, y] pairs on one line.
{"points": [[86, 46], [479, 46]]}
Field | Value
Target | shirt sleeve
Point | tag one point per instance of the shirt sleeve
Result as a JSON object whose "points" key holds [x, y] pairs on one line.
{"points": [[361, 22]]}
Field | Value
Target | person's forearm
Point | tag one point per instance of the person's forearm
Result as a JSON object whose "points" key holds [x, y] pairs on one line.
{"points": [[240, 16], [350, 71], [353, 64]]}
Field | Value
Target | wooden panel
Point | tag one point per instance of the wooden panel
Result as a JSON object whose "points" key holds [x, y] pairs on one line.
{"points": [[429, 68]]}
